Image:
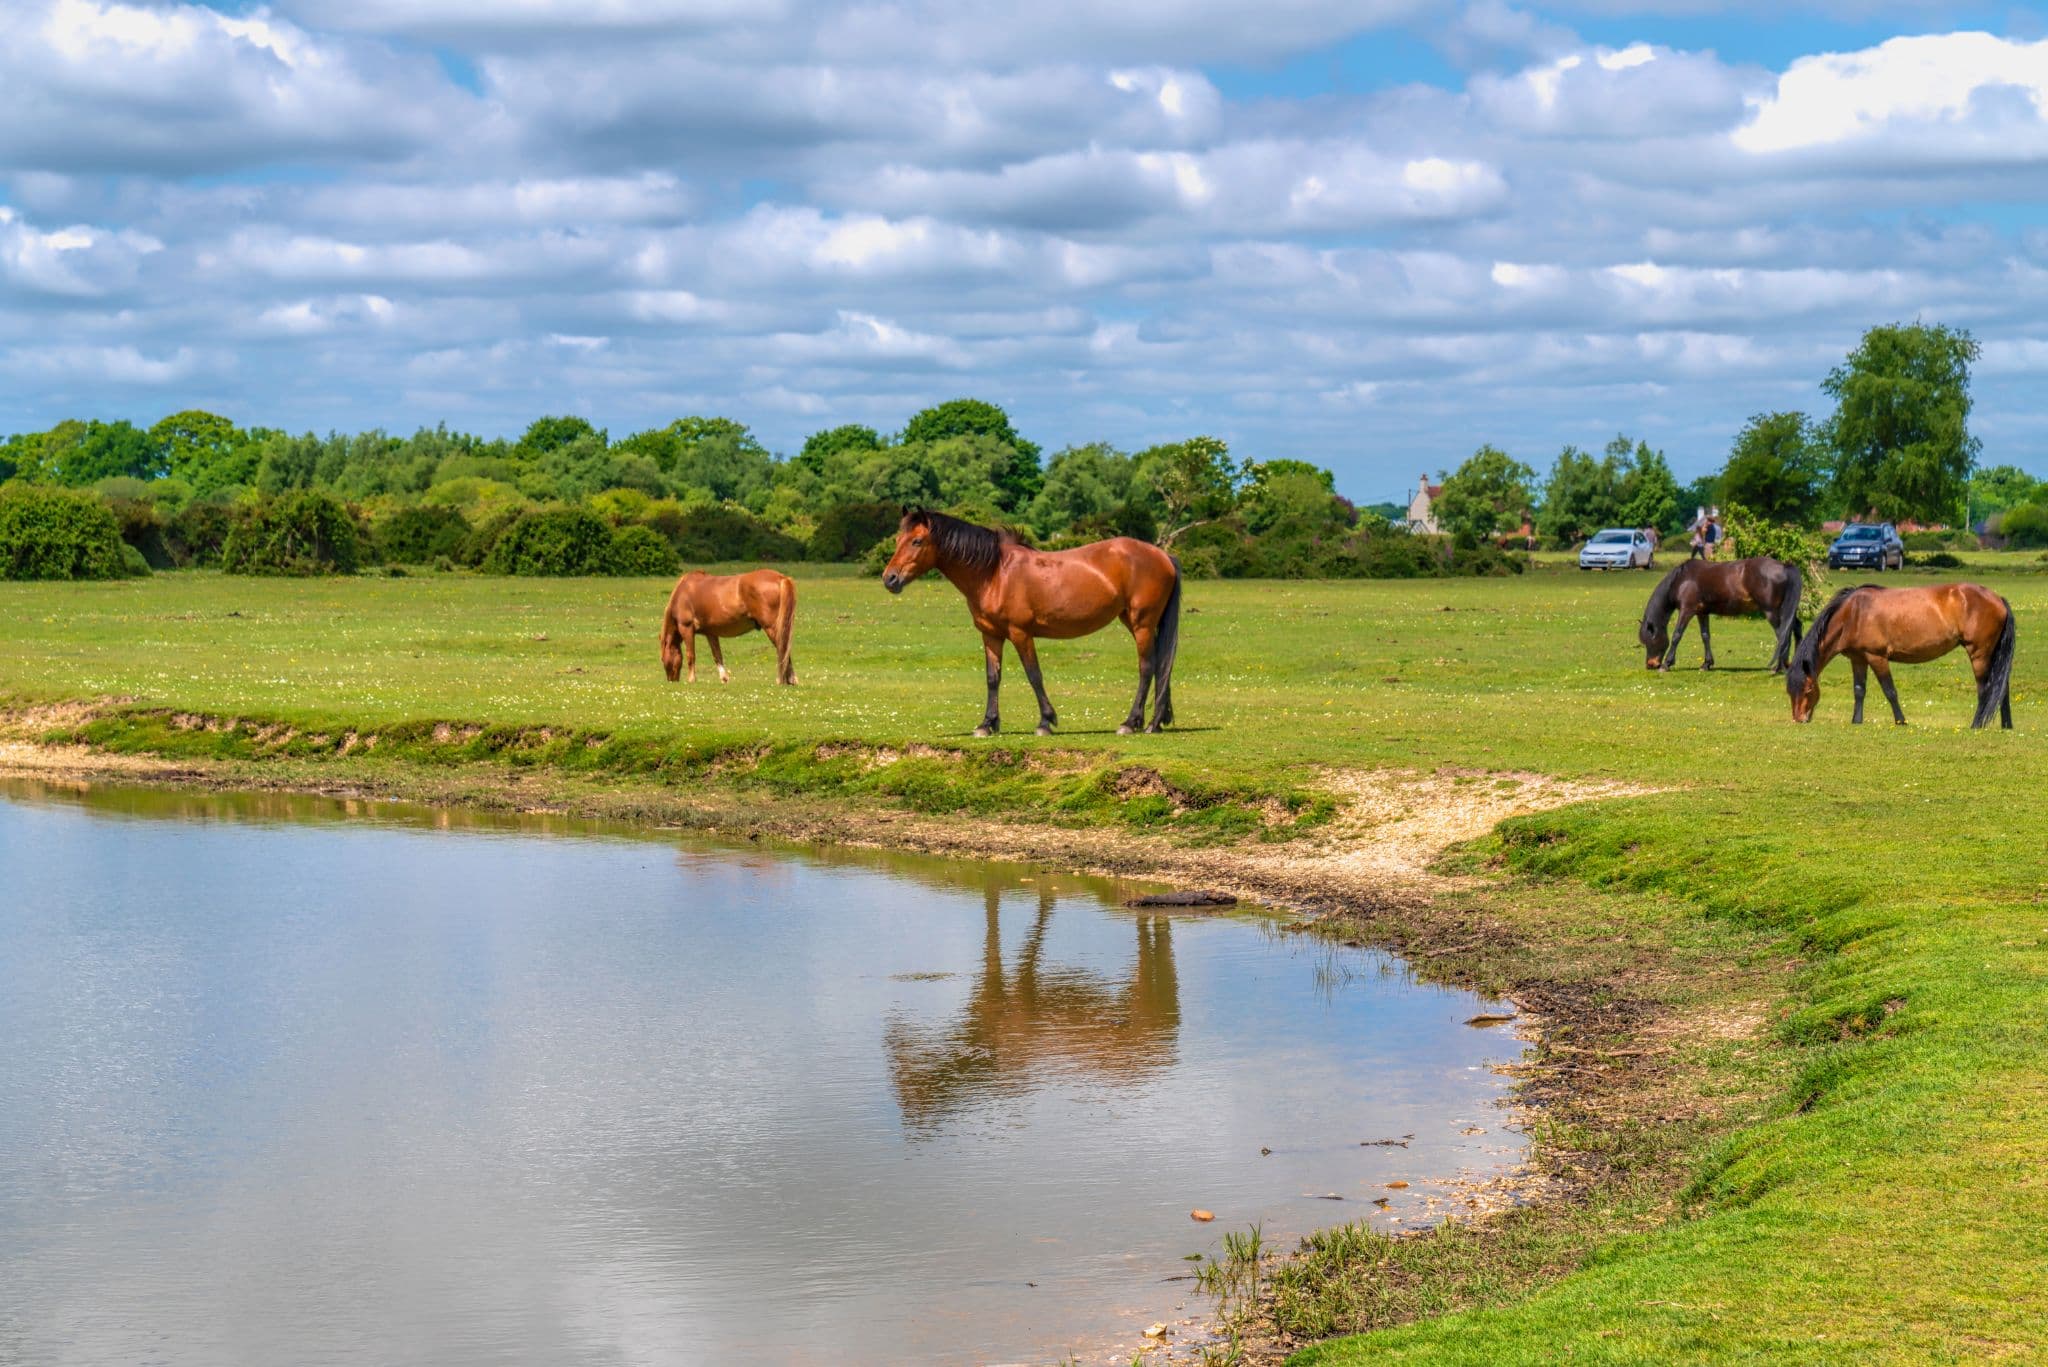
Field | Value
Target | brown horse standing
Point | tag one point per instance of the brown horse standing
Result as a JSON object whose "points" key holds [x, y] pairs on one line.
{"points": [[1017, 594], [721, 605], [1731, 588], [1875, 627]]}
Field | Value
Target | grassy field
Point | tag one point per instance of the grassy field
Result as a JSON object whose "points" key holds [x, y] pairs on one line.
{"points": [[1887, 1209]]}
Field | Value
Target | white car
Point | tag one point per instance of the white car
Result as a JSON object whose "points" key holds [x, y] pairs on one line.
{"points": [[1617, 548]]}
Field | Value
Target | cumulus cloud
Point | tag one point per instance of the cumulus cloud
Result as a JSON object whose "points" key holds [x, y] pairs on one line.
{"points": [[99, 85], [806, 213]]}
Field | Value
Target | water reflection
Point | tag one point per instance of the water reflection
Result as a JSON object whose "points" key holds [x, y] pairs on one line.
{"points": [[1029, 1019], [328, 1081]]}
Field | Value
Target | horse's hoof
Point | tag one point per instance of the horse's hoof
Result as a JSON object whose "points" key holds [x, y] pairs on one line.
{"points": [[1125, 729], [984, 732], [1154, 729]]}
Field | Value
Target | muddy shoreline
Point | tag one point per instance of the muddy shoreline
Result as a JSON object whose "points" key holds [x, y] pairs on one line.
{"points": [[1593, 1051]]}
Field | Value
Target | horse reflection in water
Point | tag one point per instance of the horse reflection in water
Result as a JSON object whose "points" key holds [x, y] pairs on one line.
{"points": [[1029, 1022]]}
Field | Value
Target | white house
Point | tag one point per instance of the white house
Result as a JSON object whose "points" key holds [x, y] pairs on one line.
{"points": [[1422, 507]]}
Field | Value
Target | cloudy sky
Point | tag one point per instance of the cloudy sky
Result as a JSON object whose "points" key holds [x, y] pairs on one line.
{"points": [[1371, 233]]}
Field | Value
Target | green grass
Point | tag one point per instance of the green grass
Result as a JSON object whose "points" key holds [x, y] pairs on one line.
{"points": [[1887, 1208]]}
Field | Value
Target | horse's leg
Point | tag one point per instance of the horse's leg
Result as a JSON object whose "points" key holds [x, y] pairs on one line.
{"points": [[992, 650], [1027, 651], [718, 658], [1147, 638], [1706, 642], [1883, 669], [690, 651], [1781, 624], [1677, 634], [1861, 671]]}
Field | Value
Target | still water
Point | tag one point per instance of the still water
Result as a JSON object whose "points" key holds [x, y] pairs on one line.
{"points": [[289, 1080]]}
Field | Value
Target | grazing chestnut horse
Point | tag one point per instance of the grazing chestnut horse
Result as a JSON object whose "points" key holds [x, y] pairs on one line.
{"points": [[721, 605], [1017, 594], [1875, 627], [1729, 588]]}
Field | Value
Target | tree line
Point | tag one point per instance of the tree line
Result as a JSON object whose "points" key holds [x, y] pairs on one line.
{"points": [[1897, 448], [566, 498]]}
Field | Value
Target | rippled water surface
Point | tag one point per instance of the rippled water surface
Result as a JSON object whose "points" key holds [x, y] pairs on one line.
{"points": [[295, 1081]]}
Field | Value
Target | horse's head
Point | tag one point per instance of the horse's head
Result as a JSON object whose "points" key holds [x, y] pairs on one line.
{"points": [[1802, 682], [1655, 633], [915, 551]]}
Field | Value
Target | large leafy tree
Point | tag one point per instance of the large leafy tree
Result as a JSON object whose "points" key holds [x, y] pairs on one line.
{"points": [[821, 448], [1776, 469], [1581, 496], [1193, 481], [1900, 434], [976, 418], [547, 435], [1485, 496], [205, 450], [2001, 487], [1649, 491]]}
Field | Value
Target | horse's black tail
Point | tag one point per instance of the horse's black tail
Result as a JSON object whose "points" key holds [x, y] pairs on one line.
{"points": [[1789, 629], [1164, 646], [1995, 693]]}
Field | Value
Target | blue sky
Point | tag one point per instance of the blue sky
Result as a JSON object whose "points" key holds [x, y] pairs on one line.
{"points": [[1370, 233]]}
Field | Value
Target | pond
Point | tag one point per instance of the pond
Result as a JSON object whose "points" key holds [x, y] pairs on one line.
{"points": [[312, 1081]]}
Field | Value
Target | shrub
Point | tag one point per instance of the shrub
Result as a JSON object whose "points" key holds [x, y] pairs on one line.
{"points": [[419, 535], [641, 550], [1936, 560], [142, 527], [307, 532], [53, 533], [877, 557], [554, 541], [197, 532], [2026, 527], [483, 539], [1940, 541], [133, 566], [707, 534], [850, 530]]}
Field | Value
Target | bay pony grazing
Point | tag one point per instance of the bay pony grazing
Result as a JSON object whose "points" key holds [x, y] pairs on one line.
{"points": [[1875, 627], [1729, 588], [722, 605], [1017, 594]]}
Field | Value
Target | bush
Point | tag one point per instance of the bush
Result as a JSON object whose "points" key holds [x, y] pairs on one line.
{"points": [[420, 535], [476, 548], [197, 532], [1940, 541], [1936, 560], [641, 550], [877, 557], [307, 532], [52, 533], [554, 541], [133, 566], [709, 534], [2025, 527], [142, 527], [850, 530]]}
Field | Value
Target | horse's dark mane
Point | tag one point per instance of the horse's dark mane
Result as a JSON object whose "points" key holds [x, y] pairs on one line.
{"points": [[1659, 608], [960, 542], [1808, 654]]}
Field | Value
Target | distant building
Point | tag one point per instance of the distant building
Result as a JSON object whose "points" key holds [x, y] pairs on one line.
{"points": [[1422, 506]]}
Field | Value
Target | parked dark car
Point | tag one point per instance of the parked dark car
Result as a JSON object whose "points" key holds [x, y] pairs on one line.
{"points": [[1868, 545]]}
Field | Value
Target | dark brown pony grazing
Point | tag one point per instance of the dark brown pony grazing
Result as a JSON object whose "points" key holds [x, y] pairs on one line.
{"points": [[1017, 594], [1875, 627], [721, 605], [1730, 588]]}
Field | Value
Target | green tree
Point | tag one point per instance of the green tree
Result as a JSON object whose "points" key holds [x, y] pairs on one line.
{"points": [[1649, 492], [546, 435], [1485, 496], [205, 450], [821, 448], [1292, 497], [1581, 496], [1900, 432], [2000, 487], [1084, 489], [1193, 482], [976, 418], [1775, 469]]}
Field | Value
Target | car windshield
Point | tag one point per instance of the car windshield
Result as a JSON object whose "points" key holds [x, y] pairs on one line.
{"points": [[1610, 538], [1862, 534]]}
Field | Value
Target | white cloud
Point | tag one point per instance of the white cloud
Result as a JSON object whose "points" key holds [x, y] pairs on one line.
{"points": [[79, 260]]}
